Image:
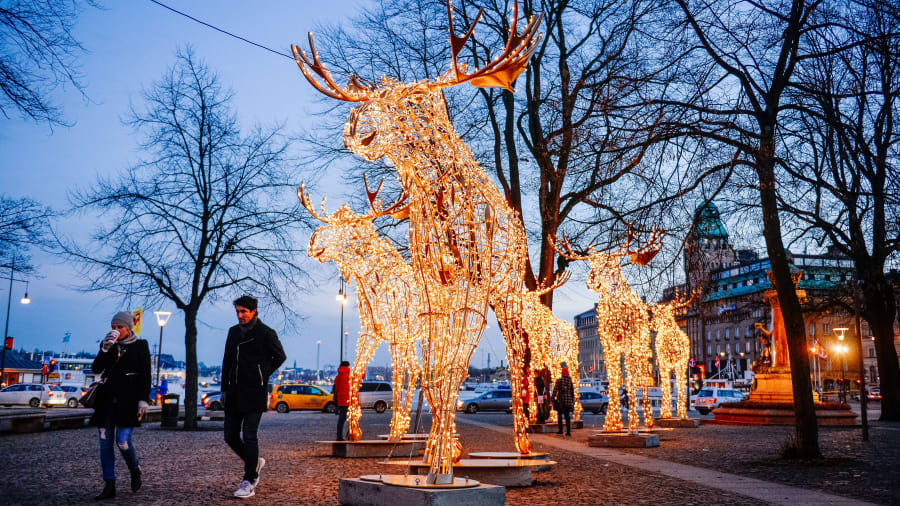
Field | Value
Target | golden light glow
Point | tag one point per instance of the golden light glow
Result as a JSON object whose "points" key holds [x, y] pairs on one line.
{"points": [[623, 326], [673, 352], [388, 304], [467, 245]]}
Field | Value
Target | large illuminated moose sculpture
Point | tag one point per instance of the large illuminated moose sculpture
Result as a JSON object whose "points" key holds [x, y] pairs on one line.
{"points": [[623, 326], [388, 303], [467, 245]]}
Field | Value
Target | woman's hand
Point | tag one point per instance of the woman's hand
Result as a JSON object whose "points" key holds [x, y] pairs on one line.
{"points": [[109, 340]]}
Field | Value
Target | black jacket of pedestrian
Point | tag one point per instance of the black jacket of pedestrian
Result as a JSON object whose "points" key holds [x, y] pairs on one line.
{"points": [[252, 353], [127, 383], [564, 394]]}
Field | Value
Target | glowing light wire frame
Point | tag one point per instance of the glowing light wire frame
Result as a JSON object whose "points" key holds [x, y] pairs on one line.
{"points": [[623, 326], [467, 245], [388, 304]]}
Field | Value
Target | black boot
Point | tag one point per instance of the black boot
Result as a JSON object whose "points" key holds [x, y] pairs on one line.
{"points": [[109, 491], [136, 479]]}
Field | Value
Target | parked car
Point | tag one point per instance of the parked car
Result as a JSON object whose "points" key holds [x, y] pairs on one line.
{"points": [[33, 394], [875, 394], [213, 401], [377, 395], [287, 397], [594, 401], [711, 398], [493, 400], [73, 394]]}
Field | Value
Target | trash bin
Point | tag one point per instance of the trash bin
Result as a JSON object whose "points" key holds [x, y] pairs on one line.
{"points": [[169, 410]]}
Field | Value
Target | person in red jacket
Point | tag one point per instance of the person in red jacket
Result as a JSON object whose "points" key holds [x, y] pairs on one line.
{"points": [[341, 393]]}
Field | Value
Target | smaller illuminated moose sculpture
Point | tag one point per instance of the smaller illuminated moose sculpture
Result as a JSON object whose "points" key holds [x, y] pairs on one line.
{"points": [[386, 296], [673, 351], [623, 325]]}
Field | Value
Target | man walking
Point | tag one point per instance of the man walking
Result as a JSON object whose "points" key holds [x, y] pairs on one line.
{"points": [[341, 393], [252, 353]]}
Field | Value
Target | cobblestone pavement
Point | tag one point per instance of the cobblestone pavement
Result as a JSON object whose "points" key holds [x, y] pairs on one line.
{"points": [[62, 467], [850, 468]]}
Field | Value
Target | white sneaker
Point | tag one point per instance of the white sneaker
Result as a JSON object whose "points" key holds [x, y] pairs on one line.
{"points": [[245, 490], [259, 465]]}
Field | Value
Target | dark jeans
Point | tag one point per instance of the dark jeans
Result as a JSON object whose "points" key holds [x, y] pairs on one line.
{"points": [[342, 418], [564, 412], [119, 436], [248, 447]]}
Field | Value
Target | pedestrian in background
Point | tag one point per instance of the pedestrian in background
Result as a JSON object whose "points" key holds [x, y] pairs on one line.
{"points": [[541, 389], [564, 399], [122, 400], [341, 391], [252, 353]]}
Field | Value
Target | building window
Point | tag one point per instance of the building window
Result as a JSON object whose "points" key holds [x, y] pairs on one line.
{"points": [[748, 346], [812, 330], [718, 334], [709, 349], [872, 352], [826, 329], [728, 348], [718, 349], [727, 333], [709, 335]]}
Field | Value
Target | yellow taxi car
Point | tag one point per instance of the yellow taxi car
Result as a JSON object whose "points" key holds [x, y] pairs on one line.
{"points": [[287, 397]]}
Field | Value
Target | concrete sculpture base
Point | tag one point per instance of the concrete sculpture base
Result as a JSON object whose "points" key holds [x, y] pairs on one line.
{"points": [[372, 448], [503, 472], [677, 423], [623, 440], [359, 492]]}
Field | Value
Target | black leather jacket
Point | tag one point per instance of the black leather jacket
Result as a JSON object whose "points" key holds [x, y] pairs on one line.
{"points": [[251, 356]]}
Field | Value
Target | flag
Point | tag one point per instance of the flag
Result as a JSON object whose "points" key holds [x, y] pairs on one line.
{"points": [[717, 362], [691, 362], [66, 337], [138, 317], [821, 352]]}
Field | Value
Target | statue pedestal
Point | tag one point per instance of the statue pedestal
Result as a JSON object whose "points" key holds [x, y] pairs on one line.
{"points": [[773, 387]]}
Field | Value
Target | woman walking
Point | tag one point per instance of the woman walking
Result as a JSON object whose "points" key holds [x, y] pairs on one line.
{"points": [[564, 399], [122, 399]]}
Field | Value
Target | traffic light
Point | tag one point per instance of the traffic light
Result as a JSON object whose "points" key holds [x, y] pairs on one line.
{"points": [[53, 366]]}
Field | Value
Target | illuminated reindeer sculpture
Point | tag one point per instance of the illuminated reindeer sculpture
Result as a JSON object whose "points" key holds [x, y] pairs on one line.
{"points": [[623, 325], [467, 245], [387, 299], [673, 351]]}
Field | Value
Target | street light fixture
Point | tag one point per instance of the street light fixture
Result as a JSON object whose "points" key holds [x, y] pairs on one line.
{"points": [[162, 317], [342, 298], [24, 300]]}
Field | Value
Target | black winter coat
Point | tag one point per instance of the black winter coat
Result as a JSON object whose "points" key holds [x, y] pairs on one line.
{"points": [[251, 356], [127, 382]]}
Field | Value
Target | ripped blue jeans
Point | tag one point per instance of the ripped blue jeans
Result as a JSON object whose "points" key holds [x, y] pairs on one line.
{"points": [[121, 437]]}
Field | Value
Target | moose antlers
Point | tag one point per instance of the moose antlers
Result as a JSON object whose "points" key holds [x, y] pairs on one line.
{"points": [[370, 195], [506, 67], [499, 72], [640, 256]]}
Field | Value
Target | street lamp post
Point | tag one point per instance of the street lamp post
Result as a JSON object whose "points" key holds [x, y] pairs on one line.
{"points": [[318, 348], [25, 300], [162, 317], [342, 298], [842, 349]]}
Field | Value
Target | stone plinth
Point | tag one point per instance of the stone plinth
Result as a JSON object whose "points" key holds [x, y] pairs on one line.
{"points": [[515, 455], [503, 472], [677, 423], [357, 492], [773, 387], [623, 440], [781, 413], [372, 448], [546, 428]]}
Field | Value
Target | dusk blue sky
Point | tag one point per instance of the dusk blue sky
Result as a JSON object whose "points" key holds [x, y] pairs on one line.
{"points": [[129, 46]]}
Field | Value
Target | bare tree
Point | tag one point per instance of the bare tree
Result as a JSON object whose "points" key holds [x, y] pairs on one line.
{"points": [[209, 214], [843, 166], [23, 225], [38, 53]]}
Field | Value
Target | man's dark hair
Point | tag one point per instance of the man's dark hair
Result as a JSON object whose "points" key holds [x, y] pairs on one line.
{"points": [[345, 363], [246, 301]]}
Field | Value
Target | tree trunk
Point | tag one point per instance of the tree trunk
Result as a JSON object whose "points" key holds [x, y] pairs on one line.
{"points": [[190, 372], [880, 310], [807, 430]]}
